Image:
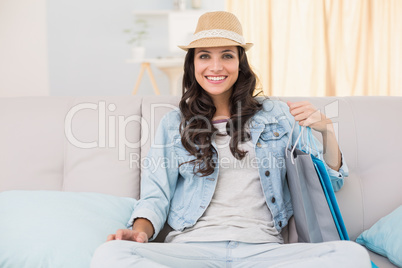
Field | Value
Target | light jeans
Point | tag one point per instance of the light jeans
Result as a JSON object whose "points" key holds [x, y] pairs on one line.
{"points": [[121, 254]]}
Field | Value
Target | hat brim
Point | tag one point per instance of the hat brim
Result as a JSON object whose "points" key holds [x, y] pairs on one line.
{"points": [[215, 42]]}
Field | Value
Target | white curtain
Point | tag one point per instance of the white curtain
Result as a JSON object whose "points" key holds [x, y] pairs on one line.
{"points": [[324, 47]]}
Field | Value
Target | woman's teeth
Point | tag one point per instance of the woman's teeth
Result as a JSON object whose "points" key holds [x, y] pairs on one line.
{"points": [[216, 78]]}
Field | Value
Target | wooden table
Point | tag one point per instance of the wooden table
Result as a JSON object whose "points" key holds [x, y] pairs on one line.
{"points": [[172, 67]]}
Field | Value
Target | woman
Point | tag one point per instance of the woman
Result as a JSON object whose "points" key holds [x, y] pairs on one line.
{"points": [[221, 183]]}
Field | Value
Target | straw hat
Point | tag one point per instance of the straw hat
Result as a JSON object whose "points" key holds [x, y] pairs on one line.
{"points": [[218, 29]]}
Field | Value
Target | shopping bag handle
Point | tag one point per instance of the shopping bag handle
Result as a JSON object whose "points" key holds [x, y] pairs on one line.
{"points": [[296, 142], [308, 143], [290, 138], [311, 141]]}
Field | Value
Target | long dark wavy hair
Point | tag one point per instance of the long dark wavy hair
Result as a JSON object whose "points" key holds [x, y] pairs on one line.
{"points": [[197, 110]]}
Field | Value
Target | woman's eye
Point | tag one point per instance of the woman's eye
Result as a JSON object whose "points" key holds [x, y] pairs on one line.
{"points": [[204, 56], [228, 56]]}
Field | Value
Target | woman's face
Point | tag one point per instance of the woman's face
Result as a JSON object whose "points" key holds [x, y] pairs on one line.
{"points": [[216, 70]]}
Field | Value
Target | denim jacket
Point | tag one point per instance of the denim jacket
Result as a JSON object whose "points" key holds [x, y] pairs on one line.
{"points": [[176, 194]]}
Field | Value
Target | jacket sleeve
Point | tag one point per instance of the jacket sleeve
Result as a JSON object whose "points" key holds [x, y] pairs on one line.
{"points": [[159, 174], [337, 177]]}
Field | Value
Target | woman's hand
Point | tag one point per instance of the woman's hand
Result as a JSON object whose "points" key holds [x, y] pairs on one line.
{"points": [[309, 116], [141, 232], [131, 235]]}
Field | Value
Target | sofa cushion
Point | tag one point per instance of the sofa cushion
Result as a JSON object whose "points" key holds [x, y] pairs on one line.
{"points": [[380, 261], [102, 145], [31, 143], [80, 144], [385, 237], [377, 154], [57, 229]]}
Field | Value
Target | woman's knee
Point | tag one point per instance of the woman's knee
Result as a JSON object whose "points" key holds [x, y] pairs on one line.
{"points": [[350, 246], [357, 253]]}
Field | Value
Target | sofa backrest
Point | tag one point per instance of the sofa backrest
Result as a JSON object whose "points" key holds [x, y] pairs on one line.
{"points": [[95, 144], [84, 144]]}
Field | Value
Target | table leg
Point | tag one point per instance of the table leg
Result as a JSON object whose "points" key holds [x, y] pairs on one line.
{"points": [[137, 84], [153, 81]]}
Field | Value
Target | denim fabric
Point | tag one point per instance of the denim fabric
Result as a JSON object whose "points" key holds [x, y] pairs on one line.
{"points": [[181, 197]]}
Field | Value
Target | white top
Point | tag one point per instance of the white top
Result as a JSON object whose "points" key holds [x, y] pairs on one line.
{"points": [[237, 211]]}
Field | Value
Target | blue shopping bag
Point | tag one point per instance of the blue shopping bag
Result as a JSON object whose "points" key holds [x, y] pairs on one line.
{"points": [[328, 190]]}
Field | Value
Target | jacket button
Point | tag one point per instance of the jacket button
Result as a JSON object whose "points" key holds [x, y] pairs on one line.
{"points": [[267, 173], [273, 200], [276, 134], [280, 224], [258, 144]]}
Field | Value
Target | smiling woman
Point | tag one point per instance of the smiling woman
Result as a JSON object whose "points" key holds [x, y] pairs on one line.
{"points": [[223, 208], [216, 99]]}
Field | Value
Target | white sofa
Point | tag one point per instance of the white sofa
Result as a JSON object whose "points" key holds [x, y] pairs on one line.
{"points": [[40, 142]]}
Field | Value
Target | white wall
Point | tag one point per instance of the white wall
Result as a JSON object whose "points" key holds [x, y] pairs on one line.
{"points": [[77, 47], [23, 48], [88, 49]]}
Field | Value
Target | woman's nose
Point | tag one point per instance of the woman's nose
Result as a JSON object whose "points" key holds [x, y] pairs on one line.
{"points": [[216, 65]]}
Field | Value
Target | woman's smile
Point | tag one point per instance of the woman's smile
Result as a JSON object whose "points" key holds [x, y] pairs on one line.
{"points": [[216, 79]]}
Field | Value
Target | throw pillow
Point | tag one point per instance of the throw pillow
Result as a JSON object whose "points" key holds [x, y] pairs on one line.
{"points": [[385, 237], [57, 229]]}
